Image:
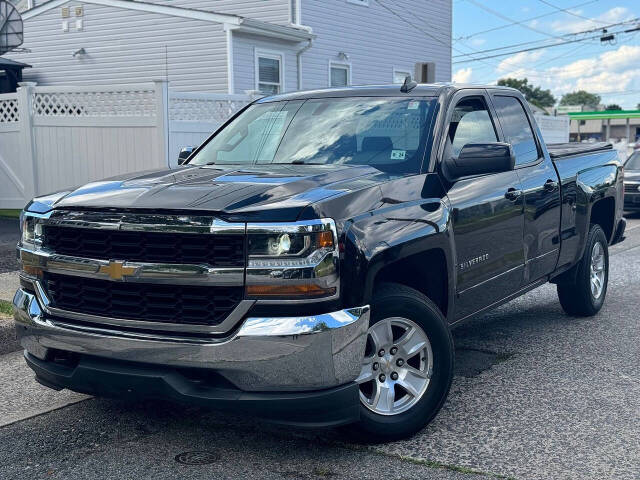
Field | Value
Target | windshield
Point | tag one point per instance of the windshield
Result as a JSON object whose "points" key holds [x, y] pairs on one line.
{"points": [[387, 133], [633, 162]]}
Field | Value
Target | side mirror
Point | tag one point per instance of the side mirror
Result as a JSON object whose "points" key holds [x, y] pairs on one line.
{"points": [[185, 152], [479, 159]]}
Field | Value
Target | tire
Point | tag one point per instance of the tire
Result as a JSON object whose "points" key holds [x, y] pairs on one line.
{"points": [[577, 297], [407, 308]]}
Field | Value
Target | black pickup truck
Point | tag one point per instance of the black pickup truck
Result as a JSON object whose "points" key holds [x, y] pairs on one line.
{"points": [[308, 261]]}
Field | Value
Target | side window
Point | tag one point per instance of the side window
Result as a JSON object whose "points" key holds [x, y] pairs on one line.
{"points": [[516, 128], [339, 74], [470, 123], [268, 73]]}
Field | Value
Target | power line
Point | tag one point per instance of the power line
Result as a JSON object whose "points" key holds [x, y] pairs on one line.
{"points": [[508, 19], [566, 37], [530, 49], [500, 27], [567, 10], [428, 34]]}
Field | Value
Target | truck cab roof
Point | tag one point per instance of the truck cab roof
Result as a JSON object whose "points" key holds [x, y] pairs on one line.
{"points": [[421, 90]]}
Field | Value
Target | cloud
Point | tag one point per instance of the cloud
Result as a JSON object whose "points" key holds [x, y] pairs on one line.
{"points": [[617, 64], [463, 75], [478, 41], [519, 61], [611, 71], [571, 24]]}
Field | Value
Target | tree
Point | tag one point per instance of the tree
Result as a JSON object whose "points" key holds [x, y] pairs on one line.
{"points": [[613, 106], [534, 95], [580, 97]]}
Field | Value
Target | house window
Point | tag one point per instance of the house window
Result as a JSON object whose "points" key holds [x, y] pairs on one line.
{"points": [[400, 75], [340, 75], [359, 2], [269, 68]]}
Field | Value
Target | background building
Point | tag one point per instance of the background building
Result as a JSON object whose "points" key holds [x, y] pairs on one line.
{"points": [[235, 46]]}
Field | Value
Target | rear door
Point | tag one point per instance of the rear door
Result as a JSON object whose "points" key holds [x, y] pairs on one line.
{"points": [[540, 186], [487, 213]]}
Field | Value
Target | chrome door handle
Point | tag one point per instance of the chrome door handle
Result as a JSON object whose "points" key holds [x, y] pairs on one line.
{"points": [[513, 194], [550, 185]]}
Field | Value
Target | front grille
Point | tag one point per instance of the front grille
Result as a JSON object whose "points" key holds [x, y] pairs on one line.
{"points": [[216, 250], [189, 305], [631, 187]]}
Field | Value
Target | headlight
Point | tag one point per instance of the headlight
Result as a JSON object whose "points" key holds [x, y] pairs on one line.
{"points": [[32, 238], [292, 260], [32, 232]]}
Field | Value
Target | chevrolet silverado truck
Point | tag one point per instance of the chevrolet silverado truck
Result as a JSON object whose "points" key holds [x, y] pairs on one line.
{"points": [[307, 263]]}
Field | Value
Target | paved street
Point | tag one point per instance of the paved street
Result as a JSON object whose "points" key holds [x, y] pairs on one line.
{"points": [[537, 395]]}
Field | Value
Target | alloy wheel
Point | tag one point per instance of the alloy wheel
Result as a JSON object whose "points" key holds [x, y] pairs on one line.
{"points": [[397, 366], [597, 273]]}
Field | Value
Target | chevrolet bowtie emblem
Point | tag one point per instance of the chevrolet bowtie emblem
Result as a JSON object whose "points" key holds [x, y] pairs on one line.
{"points": [[117, 271]]}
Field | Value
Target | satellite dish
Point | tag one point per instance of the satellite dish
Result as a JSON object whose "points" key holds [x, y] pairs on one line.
{"points": [[11, 32]]}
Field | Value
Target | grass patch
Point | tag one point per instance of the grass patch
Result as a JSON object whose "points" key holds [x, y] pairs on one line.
{"points": [[6, 308], [9, 213], [420, 461], [452, 468]]}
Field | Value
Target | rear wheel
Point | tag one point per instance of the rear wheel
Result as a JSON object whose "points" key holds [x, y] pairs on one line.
{"points": [[585, 296], [407, 367]]}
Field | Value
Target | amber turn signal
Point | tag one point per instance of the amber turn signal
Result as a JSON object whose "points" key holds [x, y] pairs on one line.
{"points": [[325, 239], [308, 290], [31, 270]]}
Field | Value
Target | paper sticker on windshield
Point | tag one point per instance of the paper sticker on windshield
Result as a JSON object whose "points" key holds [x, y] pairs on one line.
{"points": [[413, 105], [398, 154]]}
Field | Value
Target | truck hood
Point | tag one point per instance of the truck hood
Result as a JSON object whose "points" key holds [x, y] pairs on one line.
{"points": [[261, 192]]}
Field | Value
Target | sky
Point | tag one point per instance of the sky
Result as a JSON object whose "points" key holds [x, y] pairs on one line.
{"points": [[610, 69]]}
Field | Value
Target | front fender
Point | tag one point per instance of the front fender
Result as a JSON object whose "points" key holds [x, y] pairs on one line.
{"points": [[392, 233]]}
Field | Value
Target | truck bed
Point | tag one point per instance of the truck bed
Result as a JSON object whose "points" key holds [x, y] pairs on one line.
{"points": [[560, 150]]}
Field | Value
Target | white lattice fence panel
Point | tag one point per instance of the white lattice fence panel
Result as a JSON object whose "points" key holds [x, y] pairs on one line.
{"points": [[9, 111], [108, 103], [205, 108]]}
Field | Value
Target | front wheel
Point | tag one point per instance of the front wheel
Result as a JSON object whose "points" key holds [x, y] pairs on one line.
{"points": [[407, 367], [585, 296]]}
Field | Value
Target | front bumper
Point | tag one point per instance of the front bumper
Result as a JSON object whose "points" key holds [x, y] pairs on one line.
{"points": [[277, 355], [124, 380]]}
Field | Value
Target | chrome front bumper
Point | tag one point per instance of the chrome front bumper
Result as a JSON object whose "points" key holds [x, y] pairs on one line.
{"points": [[265, 354]]}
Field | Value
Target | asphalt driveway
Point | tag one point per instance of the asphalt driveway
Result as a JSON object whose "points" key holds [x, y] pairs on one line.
{"points": [[537, 395]]}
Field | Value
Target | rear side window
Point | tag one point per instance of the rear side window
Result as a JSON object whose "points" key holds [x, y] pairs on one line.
{"points": [[517, 129]]}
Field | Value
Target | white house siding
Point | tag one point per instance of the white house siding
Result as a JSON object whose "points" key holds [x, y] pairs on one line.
{"points": [[273, 11], [375, 40], [125, 46], [244, 48]]}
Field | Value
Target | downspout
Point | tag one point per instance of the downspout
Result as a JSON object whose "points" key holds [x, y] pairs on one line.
{"points": [[299, 58]]}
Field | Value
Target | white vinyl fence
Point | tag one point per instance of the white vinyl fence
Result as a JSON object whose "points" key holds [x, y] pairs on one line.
{"points": [[553, 129], [195, 116], [53, 138]]}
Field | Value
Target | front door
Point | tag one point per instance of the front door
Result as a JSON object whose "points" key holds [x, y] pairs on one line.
{"points": [[487, 215]]}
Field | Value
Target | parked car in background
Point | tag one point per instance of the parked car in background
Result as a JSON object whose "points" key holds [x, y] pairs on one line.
{"points": [[308, 261], [632, 182]]}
